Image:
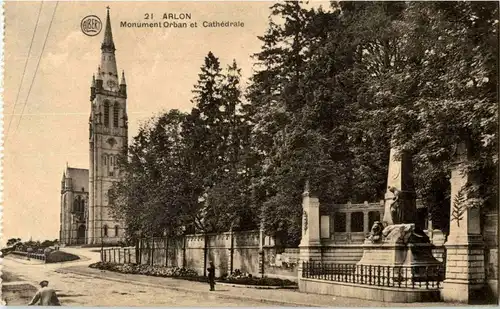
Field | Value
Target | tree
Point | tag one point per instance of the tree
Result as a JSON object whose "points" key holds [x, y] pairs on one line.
{"points": [[13, 241], [157, 193], [447, 95]]}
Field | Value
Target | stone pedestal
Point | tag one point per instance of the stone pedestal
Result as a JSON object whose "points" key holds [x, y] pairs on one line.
{"points": [[400, 246], [310, 243], [465, 269]]}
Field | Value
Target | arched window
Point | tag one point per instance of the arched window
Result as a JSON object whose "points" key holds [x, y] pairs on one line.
{"points": [[110, 160], [76, 204], [116, 230], [105, 157], [106, 114], [116, 112], [110, 197], [105, 230]]}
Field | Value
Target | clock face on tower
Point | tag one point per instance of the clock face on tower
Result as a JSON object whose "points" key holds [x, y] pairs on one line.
{"points": [[111, 84]]}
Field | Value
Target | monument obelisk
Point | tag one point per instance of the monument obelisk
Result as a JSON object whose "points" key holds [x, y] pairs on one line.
{"points": [[400, 181]]}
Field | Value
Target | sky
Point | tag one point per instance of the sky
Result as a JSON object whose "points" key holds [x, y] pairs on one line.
{"points": [[48, 128]]}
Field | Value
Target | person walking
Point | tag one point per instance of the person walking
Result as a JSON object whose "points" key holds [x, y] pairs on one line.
{"points": [[211, 276], [45, 296]]}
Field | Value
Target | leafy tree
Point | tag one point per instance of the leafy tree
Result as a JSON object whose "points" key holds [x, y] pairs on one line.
{"points": [[157, 193], [13, 241]]}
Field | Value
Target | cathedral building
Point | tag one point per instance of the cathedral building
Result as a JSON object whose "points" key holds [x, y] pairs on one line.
{"points": [[85, 200]]}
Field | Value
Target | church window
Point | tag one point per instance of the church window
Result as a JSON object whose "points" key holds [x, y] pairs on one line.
{"points": [[116, 230], [106, 114], [110, 197], [76, 204], [115, 115], [105, 159], [105, 230]]}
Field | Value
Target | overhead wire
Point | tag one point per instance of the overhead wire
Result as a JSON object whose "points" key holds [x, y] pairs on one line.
{"points": [[37, 65], [24, 70]]}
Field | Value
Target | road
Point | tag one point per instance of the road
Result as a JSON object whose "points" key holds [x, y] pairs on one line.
{"points": [[77, 290]]}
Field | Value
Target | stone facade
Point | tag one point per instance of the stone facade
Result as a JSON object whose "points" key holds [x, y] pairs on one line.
{"points": [[74, 205], [108, 135]]}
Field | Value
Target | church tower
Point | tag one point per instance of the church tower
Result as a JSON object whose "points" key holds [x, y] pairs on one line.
{"points": [[108, 138]]}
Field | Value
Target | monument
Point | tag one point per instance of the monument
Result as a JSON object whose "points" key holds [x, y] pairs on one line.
{"points": [[398, 240]]}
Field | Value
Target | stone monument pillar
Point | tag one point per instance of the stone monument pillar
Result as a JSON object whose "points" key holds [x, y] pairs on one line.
{"points": [[465, 270], [400, 191], [310, 244]]}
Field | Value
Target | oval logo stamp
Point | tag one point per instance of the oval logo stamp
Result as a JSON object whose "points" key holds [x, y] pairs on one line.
{"points": [[91, 25]]}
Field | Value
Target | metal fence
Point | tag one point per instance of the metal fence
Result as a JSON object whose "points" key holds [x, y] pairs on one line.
{"points": [[119, 255], [415, 277], [30, 255]]}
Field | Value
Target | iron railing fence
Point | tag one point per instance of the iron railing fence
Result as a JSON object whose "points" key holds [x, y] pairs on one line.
{"points": [[414, 277], [119, 255], [30, 255]]}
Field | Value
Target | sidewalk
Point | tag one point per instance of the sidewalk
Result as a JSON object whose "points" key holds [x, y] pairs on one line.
{"points": [[282, 297]]}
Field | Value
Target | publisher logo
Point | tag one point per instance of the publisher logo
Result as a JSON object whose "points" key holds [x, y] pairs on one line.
{"points": [[91, 25]]}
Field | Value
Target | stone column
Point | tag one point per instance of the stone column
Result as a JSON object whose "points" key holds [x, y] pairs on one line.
{"points": [[348, 225], [465, 272], [366, 222], [230, 261], [261, 249], [310, 244]]}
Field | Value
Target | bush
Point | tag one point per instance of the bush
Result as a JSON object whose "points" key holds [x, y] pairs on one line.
{"points": [[60, 256]]}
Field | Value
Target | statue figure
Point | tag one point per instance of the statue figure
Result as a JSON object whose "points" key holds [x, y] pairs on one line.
{"points": [[376, 232], [396, 206]]}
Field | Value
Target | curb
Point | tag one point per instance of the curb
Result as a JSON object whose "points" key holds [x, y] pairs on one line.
{"points": [[256, 287], [264, 300]]}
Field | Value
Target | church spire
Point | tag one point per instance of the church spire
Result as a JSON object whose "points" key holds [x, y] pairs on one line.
{"points": [[109, 71], [123, 82], [107, 43]]}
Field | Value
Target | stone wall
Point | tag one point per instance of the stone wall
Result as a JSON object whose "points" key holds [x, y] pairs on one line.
{"points": [[229, 251]]}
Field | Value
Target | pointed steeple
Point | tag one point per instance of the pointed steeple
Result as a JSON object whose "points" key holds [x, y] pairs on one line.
{"points": [[107, 43], [93, 80], [123, 82], [109, 72], [99, 72]]}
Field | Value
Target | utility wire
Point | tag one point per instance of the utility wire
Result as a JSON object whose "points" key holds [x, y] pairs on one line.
{"points": [[37, 65], [25, 66]]}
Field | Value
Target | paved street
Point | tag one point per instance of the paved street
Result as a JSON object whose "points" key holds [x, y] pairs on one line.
{"points": [[77, 290], [79, 285]]}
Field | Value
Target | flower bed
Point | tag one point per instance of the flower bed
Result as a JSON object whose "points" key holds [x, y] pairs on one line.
{"points": [[157, 271], [239, 277], [260, 281], [60, 256], [189, 274]]}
